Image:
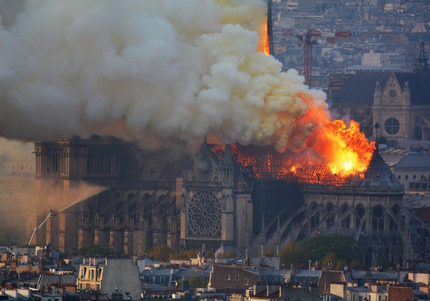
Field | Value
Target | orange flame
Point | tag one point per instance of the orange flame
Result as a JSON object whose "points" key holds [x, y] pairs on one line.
{"points": [[346, 150], [338, 152], [263, 44]]}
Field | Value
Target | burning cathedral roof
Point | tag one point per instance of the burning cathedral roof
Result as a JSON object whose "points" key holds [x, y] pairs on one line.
{"points": [[304, 167]]}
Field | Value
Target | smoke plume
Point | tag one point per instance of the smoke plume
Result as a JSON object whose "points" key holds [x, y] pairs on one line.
{"points": [[23, 198], [155, 68]]}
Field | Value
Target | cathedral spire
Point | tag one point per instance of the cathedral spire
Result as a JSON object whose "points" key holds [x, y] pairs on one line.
{"points": [[421, 62]]}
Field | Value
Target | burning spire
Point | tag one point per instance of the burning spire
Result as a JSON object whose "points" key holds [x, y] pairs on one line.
{"points": [[265, 43]]}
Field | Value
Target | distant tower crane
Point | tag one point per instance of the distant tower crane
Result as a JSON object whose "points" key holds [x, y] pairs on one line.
{"points": [[309, 39]]}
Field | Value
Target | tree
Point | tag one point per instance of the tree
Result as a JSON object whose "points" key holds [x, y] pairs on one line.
{"points": [[329, 261], [270, 252], [227, 254], [161, 253], [95, 250], [196, 281], [343, 248], [289, 254], [210, 253]]}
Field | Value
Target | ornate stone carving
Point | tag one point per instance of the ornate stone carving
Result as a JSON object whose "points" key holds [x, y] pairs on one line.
{"points": [[204, 216]]}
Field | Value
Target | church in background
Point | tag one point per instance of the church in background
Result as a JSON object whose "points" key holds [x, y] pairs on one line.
{"points": [[392, 107]]}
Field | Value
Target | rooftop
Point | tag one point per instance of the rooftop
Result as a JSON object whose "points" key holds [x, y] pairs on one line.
{"points": [[414, 160]]}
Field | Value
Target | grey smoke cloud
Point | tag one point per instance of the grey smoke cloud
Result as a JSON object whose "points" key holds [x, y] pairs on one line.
{"points": [[168, 69]]}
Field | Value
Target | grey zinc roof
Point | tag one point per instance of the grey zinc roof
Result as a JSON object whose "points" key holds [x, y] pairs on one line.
{"points": [[379, 175], [419, 84], [414, 160], [308, 273], [48, 280], [359, 88]]}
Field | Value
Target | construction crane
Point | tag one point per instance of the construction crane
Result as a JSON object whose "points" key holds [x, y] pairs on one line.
{"points": [[309, 38], [51, 214]]}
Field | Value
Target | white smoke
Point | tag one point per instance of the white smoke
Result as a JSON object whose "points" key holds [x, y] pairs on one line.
{"points": [[132, 68]]}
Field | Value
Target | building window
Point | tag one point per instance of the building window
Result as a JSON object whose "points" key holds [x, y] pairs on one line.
{"points": [[406, 177], [418, 133], [237, 277], [228, 276], [414, 177], [246, 281], [399, 177], [392, 126]]}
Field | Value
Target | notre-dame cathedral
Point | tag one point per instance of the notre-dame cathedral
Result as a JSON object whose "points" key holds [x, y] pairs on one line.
{"points": [[151, 198], [183, 200]]}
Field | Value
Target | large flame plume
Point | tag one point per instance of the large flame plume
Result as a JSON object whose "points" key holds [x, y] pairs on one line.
{"points": [[153, 70], [335, 154], [343, 151]]}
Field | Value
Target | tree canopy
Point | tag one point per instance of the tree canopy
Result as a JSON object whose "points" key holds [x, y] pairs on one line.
{"points": [[330, 251], [95, 250]]}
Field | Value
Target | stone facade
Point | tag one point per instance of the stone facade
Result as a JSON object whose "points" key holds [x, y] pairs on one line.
{"points": [[149, 198], [368, 208], [186, 200], [390, 106]]}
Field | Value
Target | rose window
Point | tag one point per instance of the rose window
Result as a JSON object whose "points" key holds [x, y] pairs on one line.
{"points": [[392, 126], [204, 216]]}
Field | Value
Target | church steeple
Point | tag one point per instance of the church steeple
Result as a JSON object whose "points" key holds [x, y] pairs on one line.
{"points": [[421, 62]]}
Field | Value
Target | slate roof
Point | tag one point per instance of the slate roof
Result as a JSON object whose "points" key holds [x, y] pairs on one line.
{"points": [[418, 84], [379, 175], [359, 88], [414, 160], [328, 277], [49, 280], [308, 273]]}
